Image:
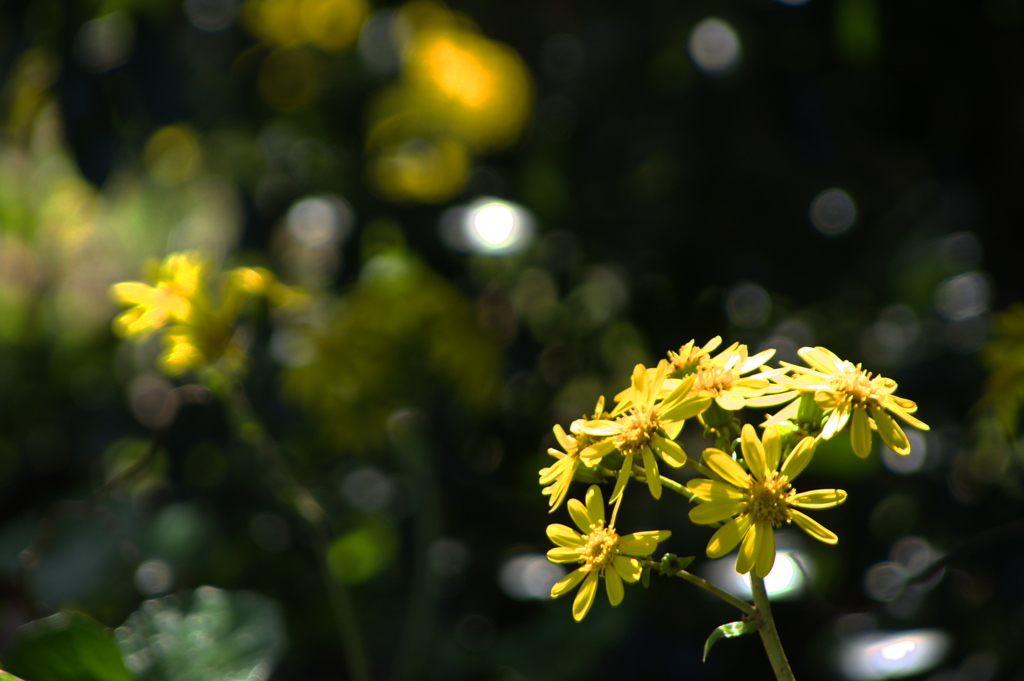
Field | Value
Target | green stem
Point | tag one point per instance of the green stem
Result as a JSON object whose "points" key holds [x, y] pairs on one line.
{"points": [[676, 487], [318, 524], [740, 605], [769, 634], [697, 465]]}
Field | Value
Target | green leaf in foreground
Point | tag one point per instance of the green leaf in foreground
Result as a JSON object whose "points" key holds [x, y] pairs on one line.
{"points": [[730, 630], [65, 647]]}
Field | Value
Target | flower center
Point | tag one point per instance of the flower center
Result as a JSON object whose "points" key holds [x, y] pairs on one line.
{"points": [[769, 499], [601, 547], [638, 427], [713, 379], [858, 385]]}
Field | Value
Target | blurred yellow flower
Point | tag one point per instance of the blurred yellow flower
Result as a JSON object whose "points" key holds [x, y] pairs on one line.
{"points": [[602, 552], [170, 298], [849, 394], [328, 24], [757, 502]]}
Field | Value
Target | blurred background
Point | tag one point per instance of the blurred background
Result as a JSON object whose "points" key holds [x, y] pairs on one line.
{"points": [[496, 209]]}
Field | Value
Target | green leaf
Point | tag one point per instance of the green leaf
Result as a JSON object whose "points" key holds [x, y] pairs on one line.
{"points": [[211, 634], [730, 630], [65, 647]]}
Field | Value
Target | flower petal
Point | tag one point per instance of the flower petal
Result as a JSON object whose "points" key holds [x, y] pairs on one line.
{"points": [[798, 459], [620, 482], [731, 472], [715, 511], [821, 359], [772, 443], [819, 498], [687, 408], [764, 550], [628, 568], [860, 432], [836, 421], [642, 543], [890, 432], [651, 471], [892, 405], [728, 536], [713, 490], [730, 401], [757, 360], [564, 440], [753, 452], [595, 505], [771, 399], [747, 555], [560, 554], [585, 597], [600, 428], [669, 450], [567, 583], [578, 512], [613, 585], [814, 528], [565, 536]]}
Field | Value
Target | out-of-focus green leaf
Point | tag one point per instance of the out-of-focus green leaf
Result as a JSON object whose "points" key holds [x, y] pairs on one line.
{"points": [[4, 676], [65, 647], [730, 630], [213, 634], [357, 555]]}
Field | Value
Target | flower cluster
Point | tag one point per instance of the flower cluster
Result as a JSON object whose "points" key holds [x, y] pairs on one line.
{"points": [[196, 314], [745, 483]]}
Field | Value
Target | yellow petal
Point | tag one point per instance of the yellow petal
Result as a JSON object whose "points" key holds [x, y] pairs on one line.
{"points": [[628, 568], [821, 359], [565, 536], [764, 550], [860, 433], [613, 585], [814, 528], [890, 432], [600, 428], [639, 379], [836, 421], [728, 536], [687, 408], [772, 443], [134, 293], [566, 584], [904, 414], [642, 543], [819, 498], [578, 512], [753, 452], [827, 399], [729, 401], [731, 472], [757, 360], [585, 597], [798, 459], [715, 511], [771, 399], [564, 440], [561, 554], [620, 482], [712, 490], [670, 451], [748, 550], [651, 471], [597, 450], [595, 505]]}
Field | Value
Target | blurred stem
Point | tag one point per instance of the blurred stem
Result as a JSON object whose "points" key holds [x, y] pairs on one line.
{"points": [[413, 653], [769, 634], [737, 603], [319, 527]]}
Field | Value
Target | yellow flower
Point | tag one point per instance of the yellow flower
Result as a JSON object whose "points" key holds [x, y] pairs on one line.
{"points": [[686, 361], [171, 299], [577, 448], [643, 424], [757, 502], [602, 552], [849, 394], [721, 378]]}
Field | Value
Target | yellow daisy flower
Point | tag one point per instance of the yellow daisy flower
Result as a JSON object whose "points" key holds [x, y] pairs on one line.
{"points": [[757, 502], [643, 423], [177, 282], [721, 379], [689, 357], [577, 450], [849, 394], [602, 552]]}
